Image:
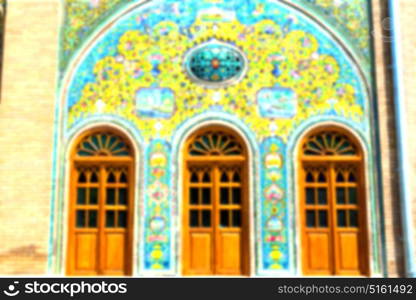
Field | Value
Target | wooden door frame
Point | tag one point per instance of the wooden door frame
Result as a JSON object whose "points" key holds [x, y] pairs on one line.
{"points": [[360, 160], [215, 161], [102, 162]]}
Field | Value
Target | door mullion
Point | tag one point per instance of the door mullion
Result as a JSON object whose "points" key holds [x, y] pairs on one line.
{"points": [[215, 230], [101, 223], [333, 220]]}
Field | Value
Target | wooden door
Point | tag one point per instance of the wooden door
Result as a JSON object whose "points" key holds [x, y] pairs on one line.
{"points": [[100, 219], [332, 206], [215, 215]]}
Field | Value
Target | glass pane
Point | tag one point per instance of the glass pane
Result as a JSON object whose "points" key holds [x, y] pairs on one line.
{"points": [[323, 218], [111, 196], [110, 218], [352, 178], [321, 177], [236, 195], [310, 196], [224, 177], [352, 195], [310, 218], [123, 178], [341, 196], [122, 196], [81, 195], [340, 177], [236, 218], [342, 218], [193, 196], [111, 178], [94, 177], [194, 177], [353, 218], [206, 218], [92, 218], [224, 218], [82, 178], [224, 196], [193, 218], [236, 177], [206, 177], [122, 219], [309, 177], [80, 218], [206, 196], [93, 196], [322, 196]]}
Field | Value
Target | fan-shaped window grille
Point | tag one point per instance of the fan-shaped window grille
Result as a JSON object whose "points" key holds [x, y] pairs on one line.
{"points": [[329, 143], [103, 144], [215, 143]]}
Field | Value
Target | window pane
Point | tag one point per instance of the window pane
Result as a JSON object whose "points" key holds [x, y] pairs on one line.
{"points": [[236, 218], [110, 219], [309, 177], [122, 219], [352, 178], [236, 195], [321, 177], [122, 196], [353, 218], [323, 218], [123, 178], [224, 217], [341, 196], [193, 196], [81, 195], [80, 218], [224, 177], [92, 216], [224, 196], [111, 196], [310, 196], [206, 177], [340, 177], [342, 218], [94, 177], [82, 178], [352, 195], [322, 196], [193, 218], [206, 196], [206, 218], [194, 177], [310, 218], [236, 177], [111, 178], [93, 196]]}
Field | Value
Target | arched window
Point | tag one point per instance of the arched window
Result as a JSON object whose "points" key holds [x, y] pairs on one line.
{"points": [[101, 205], [332, 204], [215, 204]]}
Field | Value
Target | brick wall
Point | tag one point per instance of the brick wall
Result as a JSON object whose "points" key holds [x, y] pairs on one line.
{"points": [[26, 127]]}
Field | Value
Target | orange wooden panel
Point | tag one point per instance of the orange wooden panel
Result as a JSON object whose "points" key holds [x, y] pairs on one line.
{"points": [[85, 251], [318, 252], [349, 252], [114, 251], [229, 253], [200, 253]]}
